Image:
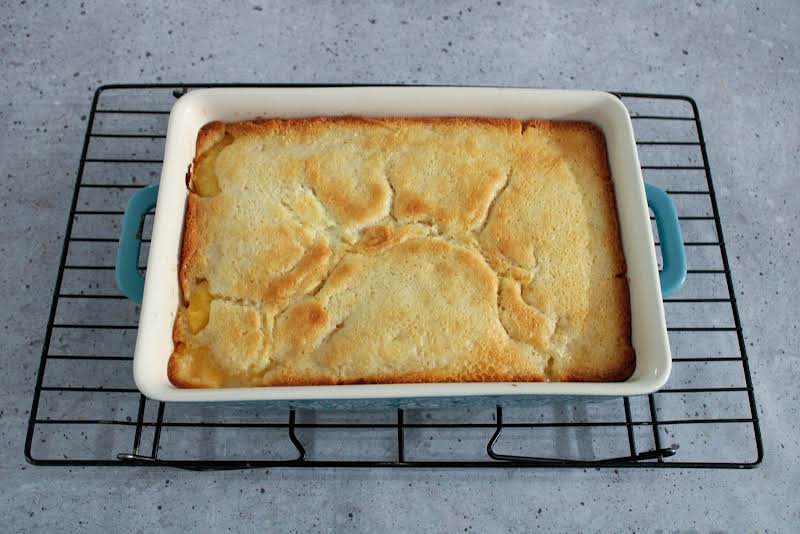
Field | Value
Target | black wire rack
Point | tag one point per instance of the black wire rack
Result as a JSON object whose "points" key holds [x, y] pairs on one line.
{"points": [[86, 410]]}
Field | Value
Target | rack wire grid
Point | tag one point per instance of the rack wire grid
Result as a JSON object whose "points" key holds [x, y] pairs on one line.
{"points": [[87, 411]]}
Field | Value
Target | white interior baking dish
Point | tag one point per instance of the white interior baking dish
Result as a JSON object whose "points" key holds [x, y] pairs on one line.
{"points": [[192, 111]]}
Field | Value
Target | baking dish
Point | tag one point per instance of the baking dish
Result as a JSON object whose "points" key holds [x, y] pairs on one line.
{"points": [[160, 292]]}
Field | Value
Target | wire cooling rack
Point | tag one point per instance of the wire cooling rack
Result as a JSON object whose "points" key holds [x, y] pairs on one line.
{"points": [[87, 411]]}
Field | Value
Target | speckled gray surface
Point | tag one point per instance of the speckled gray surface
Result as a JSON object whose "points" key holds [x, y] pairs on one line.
{"points": [[739, 60]]}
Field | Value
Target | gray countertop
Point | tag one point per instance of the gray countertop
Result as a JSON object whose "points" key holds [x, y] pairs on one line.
{"points": [[738, 60]]}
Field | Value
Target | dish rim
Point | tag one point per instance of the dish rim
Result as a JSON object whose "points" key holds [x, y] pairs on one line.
{"points": [[208, 102]]}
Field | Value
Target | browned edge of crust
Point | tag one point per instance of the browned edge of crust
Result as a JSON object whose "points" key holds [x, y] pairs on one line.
{"points": [[207, 137], [310, 124], [188, 248], [172, 365], [176, 380], [557, 125], [174, 376], [418, 377], [189, 242], [172, 369]]}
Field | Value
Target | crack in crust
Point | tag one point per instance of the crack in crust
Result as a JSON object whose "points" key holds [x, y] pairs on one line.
{"points": [[492, 203]]}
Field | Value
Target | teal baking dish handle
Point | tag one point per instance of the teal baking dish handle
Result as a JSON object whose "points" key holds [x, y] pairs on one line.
{"points": [[673, 254], [129, 279]]}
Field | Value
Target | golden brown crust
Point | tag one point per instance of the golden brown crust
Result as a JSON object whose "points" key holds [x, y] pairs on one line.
{"points": [[311, 267], [424, 307], [521, 320], [189, 244], [356, 250], [584, 287]]}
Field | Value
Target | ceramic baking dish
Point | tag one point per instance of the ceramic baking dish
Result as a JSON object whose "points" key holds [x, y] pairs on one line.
{"points": [[159, 293]]}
